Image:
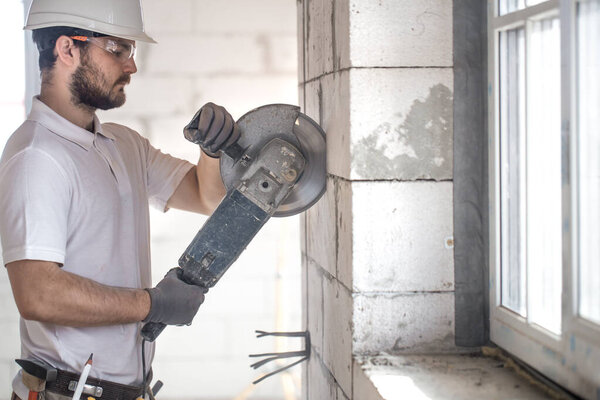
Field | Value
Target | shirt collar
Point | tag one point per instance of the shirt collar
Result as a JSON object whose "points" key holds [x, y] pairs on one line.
{"points": [[59, 125]]}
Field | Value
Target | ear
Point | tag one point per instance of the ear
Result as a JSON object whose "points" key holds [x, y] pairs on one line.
{"points": [[66, 52]]}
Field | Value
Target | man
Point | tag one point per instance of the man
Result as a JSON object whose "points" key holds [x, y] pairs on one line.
{"points": [[74, 198]]}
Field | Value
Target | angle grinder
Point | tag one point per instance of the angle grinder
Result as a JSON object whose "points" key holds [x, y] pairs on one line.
{"points": [[277, 168]]}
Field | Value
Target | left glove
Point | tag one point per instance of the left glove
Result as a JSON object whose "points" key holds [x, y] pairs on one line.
{"points": [[174, 302], [213, 129]]}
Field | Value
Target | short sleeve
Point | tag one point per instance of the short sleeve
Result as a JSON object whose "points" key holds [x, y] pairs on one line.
{"points": [[35, 198], [165, 173]]}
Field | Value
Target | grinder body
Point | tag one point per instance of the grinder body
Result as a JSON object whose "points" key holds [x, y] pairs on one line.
{"points": [[268, 174]]}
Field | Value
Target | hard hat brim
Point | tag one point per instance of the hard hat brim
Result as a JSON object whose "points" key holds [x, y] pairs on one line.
{"points": [[46, 20]]}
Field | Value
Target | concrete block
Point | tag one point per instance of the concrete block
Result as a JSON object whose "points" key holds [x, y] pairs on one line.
{"points": [[319, 50], [401, 33], [300, 41], [10, 345], [257, 299], [337, 340], [402, 236], [166, 134], [8, 307], [334, 105], [282, 53], [401, 123], [156, 96], [304, 380], [301, 96], [6, 378], [205, 337], [207, 375], [341, 40], [321, 384], [341, 395], [345, 252], [321, 225], [137, 123], [240, 94], [326, 32], [205, 54], [312, 96], [362, 387], [314, 296], [403, 322], [174, 16], [242, 16]]}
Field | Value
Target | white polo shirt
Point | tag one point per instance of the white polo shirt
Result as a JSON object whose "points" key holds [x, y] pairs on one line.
{"points": [[81, 199]]}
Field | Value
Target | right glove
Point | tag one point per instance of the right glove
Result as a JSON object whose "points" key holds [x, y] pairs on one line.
{"points": [[213, 129], [174, 302]]}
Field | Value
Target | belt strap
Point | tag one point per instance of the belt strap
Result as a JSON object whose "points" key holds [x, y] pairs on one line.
{"points": [[110, 390]]}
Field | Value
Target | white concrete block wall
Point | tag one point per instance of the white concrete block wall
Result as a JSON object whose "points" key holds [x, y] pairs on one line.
{"points": [[241, 55], [411, 251], [378, 251], [401, 33]]}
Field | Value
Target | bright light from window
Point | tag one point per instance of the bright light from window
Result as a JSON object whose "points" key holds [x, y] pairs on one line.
{"points": [[544, 190], [588, 120], [396, 387], [508, 6], [512, 169], [530, 172]]}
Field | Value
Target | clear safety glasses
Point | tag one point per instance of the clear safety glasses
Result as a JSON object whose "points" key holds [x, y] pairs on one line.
{"points": [[123, 51]]}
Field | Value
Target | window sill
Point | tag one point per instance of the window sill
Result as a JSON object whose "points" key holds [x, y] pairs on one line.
{"points": [[442, 376]]}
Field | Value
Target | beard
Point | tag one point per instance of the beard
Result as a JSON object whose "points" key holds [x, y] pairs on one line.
{"points": [[90, 87]]}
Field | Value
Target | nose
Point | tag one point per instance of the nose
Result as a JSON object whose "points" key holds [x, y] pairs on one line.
{"points": [[129, 66]]}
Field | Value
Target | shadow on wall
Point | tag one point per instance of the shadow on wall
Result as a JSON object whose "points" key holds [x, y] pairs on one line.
{"points": [[423, 137]]}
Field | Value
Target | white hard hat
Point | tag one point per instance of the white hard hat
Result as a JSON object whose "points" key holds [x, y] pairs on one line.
{"points": [[119, 18]]}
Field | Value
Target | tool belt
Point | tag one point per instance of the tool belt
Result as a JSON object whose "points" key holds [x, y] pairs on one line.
{"points": [[66, 382]]}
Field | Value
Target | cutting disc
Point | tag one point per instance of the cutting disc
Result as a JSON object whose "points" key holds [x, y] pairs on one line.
{"points": [[286, 122]]}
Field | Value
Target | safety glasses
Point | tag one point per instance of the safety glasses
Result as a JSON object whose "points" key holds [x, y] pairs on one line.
{"points": [[122, 51]]}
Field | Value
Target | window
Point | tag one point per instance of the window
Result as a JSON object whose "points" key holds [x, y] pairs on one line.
{"points": [[544, 67]]}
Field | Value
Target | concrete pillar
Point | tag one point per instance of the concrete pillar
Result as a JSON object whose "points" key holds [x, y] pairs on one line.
{"points": [[378, 248]]}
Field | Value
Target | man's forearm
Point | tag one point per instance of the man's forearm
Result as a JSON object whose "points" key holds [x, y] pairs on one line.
{"points": [[46, 293], [210, 184]]}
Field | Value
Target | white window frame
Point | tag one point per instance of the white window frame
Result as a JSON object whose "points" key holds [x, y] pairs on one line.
{"points": [[572, 359]]}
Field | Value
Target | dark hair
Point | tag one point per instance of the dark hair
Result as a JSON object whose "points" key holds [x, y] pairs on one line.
{"points": [[45, 40]]}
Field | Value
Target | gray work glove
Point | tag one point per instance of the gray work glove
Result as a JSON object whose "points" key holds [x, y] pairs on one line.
{"points": [[213, 129], [174, 302]]}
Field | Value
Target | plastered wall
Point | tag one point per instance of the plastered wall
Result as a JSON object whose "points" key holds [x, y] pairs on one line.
{"points": [[378, 249]]}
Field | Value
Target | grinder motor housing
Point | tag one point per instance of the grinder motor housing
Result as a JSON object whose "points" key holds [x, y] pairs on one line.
{"points": [[277, 168]]}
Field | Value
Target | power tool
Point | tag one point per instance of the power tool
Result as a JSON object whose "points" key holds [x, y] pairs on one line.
{"points": [[277, 168]]}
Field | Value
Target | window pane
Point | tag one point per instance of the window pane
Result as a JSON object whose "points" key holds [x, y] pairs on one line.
{"points": [[512, 161], [544, 213], [588, 120], [508, 6], [530, 3]]}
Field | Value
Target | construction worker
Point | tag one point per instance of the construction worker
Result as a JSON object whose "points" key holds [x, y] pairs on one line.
{"points": [[74, 198]]}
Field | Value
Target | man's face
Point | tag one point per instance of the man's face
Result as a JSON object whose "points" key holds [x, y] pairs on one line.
{"points": [[98, 87]]}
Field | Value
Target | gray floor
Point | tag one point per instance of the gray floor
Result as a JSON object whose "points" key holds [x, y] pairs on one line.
{"points": [[433, 377]]}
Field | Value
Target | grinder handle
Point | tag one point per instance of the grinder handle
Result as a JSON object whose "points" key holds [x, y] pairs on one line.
{"points": [[151, 330], [235, 151]]}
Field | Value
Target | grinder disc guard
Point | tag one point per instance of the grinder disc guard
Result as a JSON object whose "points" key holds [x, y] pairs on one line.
{"points": [[286, 122]]}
